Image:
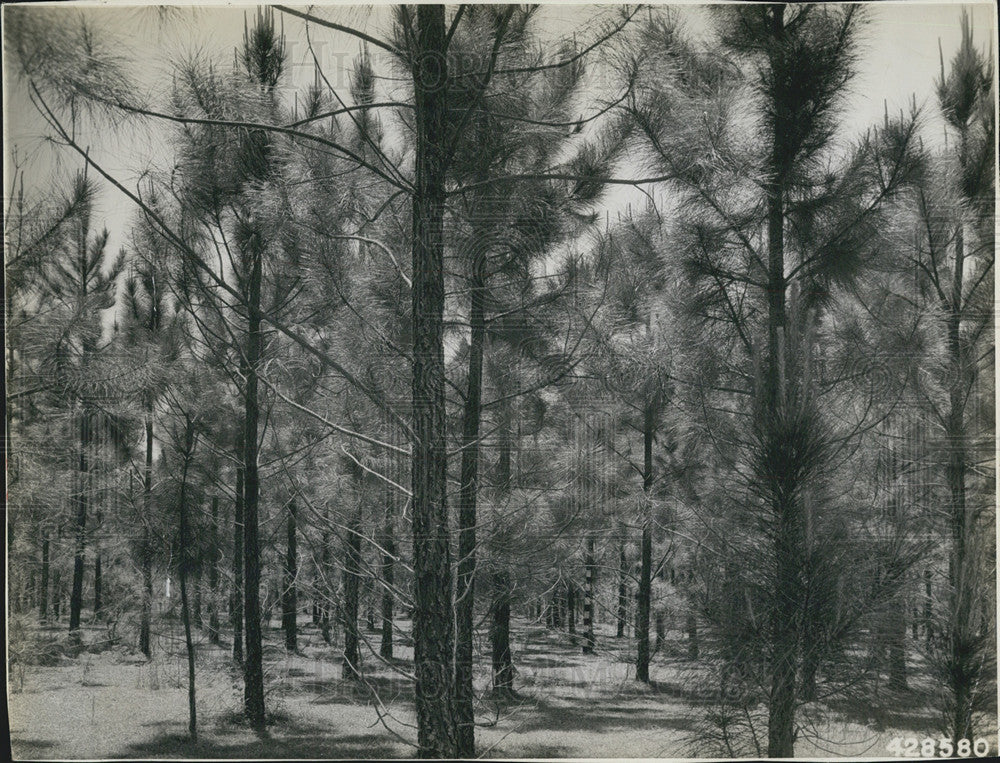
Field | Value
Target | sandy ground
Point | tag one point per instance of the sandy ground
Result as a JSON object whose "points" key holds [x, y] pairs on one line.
{"points": [[115, 704]]}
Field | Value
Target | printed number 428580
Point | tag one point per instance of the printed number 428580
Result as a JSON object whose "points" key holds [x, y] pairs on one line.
{"points": [[911, 747]]}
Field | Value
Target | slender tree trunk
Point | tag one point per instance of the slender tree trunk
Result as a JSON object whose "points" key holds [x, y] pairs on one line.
{"points": [[290, 604], [964, 653], [43, 589], [588, 602], [571, 608], [98, 572], [196, 614], [644, 598], [503, 665], [56, 593], [622, 590], [388, 576], [661, 631], [469, 480], [253, 665], [98, 582], [145, 617], [213, 576], [80, 499], [368, 587], [185, 561], [236, 610], [433, 624], [351, 667], [326, 605], [928, 609]]}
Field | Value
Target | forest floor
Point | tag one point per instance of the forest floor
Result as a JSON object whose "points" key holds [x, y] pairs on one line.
{"points": [[109, 702]]}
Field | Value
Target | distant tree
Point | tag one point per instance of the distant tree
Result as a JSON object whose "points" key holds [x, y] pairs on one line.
{"points": [[75, 287], [515, 124], [633, 360], [36, 231], [148, 329]]}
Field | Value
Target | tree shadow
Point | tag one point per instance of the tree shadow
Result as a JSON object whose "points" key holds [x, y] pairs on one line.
{"points": [[335, 691], [542, 661], [911, 710], [528, 751], [30, 749], [597, 717], [287, 739], [691, 694]]}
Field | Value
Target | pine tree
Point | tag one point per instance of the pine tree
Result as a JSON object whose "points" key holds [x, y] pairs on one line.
{"points": [[770, 237], [76, 285], [953, 260]]}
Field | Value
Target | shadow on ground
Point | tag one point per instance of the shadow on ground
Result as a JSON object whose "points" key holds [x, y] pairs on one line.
{"points": [[30, 749], [908, 709], [545, 715], [284, 740]]}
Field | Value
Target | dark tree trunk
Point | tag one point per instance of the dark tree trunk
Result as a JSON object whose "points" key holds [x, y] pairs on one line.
{"points": [[571, 608], [644, 598], [433, 624], [145, 617], [964, 653], [469, 481], [185, 563], [503, 665], [388, 576], [589, 641], [98, 571], [80, 500], [810, 669], [928, 609], [213, 575], [289, 602], [369, 604], [327, 591], [236, 608], [56, 593], [622, 590], [351, 666], [253, 665], [196, 615], [98, 582], [783, 646], [43, 589]]}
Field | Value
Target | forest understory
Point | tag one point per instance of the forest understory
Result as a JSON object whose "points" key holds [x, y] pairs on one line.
{"points": [[105, 700]]}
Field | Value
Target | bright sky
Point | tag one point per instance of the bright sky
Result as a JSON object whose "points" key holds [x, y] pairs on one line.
{"points": [[900, 59]]}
